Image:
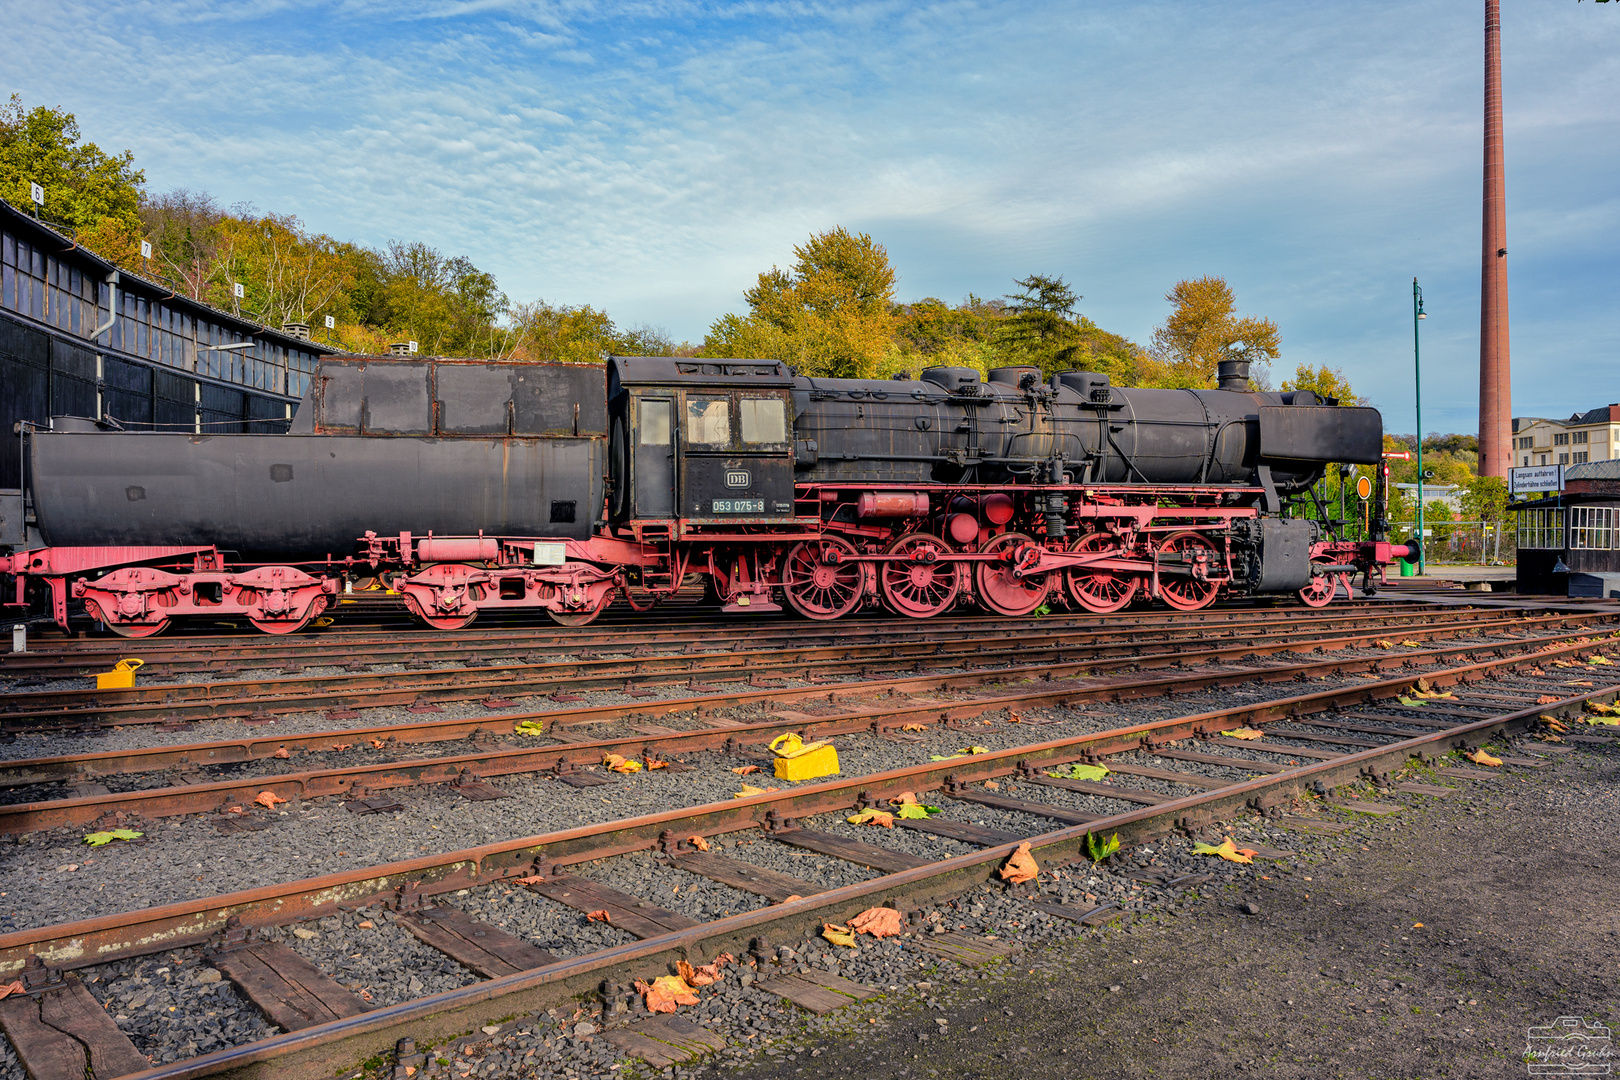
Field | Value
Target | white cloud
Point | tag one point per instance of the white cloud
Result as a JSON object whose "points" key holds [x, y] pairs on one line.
{"points": [[652, 158]]}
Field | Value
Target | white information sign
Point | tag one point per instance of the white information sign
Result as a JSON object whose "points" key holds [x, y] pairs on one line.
{"points": [[1536, 478]]}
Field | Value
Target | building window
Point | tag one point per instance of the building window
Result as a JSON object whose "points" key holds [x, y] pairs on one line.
{"points": [[1526, 460], [1580, 457], [1541, 528], [1580, 438], [1524, 444], [1543, 460], [1561, 439], [1563, 459], [1591, 528]]}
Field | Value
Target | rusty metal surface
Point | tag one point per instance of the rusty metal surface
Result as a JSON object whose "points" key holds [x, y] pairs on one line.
{"points": [[199, 797], [167, 703], [97, 940], [63, 657], [309, 1053]]}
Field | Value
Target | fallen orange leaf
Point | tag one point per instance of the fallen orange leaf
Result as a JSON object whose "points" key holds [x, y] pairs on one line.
{"points": [[872, 817], [236, 809], [656, 763], [1243, 733], [341, 745], [992, 785], [913, 727], [269, 800], [1546, 699], [879, 922], [707, 973], [11, 988], [1417, 926], [1020, 866], [281, 752], [750, 790], [666, 993], [1480, 757], [698, 842], [621, 764], [376, 744], [598, 916], [744, 770], [903, 798], [1226, 850]]}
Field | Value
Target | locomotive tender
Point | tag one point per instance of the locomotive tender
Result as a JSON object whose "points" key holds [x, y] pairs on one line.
{"points": [[472, 486]]}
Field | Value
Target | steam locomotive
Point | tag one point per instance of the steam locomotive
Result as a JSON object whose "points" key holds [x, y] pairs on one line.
{"points": [[471, 486]]}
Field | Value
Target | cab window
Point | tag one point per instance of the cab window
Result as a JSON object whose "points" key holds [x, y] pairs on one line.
{"points": [[764, 420], [708, 422], [655, 423]]}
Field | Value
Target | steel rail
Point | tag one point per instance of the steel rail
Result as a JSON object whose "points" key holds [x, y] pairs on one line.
{"points": [[354, 781], [718, 655], [552, 756], [270, 651], [423, 688], [99, 940], [310, 1052]]}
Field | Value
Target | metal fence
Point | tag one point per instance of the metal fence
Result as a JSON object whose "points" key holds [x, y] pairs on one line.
{"points": [[1479, 542]]}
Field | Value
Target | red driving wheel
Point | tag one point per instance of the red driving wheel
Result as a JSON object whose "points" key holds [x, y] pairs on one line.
{"points": [[1184, 592], [819, 581], [915, 582], [1101, 591]]}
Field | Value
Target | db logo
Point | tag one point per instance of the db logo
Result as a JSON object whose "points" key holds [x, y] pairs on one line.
{"points": [[738, 478]]}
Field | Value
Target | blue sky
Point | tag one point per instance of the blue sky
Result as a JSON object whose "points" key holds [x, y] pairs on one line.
{"points": [[652, 158]]}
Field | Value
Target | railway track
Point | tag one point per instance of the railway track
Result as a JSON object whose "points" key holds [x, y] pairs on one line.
{"points": [[56, 658], [1164, 774], [886, 706], [493, 684]]}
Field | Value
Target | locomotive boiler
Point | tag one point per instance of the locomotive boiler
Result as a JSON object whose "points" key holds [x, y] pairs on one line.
{"points": [[473, 486]]}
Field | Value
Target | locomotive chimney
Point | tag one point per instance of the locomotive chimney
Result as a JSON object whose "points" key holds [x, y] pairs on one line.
{"points": [[1232, 374]]}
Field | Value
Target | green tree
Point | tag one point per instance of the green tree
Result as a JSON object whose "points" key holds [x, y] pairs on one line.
{"points": [[1326, 382], [831, 314], [84, 185], [1204, 329]]}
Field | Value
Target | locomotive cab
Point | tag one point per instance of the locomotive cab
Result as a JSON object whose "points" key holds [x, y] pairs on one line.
{"points": [[705, 442]]}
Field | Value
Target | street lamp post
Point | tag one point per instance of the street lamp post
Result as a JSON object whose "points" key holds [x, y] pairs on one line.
{"points": [[1417, 373]]}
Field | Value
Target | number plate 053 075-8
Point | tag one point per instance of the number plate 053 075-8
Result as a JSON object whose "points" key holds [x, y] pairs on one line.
{"points": [[739, 506]]}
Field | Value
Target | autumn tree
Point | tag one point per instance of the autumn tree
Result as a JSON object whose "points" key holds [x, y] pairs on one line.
{"points": [[1203, 330], [1326, 382], [831, 314], [94, 192], [185, 229]]}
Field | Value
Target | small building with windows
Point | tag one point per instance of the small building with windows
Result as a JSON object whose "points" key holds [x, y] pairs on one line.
{"points": [[1569, 543], [1585, 437]]}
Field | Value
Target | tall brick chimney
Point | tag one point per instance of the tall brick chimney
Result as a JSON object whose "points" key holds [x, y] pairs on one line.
{"points": [[1495, 390]]}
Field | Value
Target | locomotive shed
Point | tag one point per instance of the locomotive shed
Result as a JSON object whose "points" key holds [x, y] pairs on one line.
{"points": [[412, 923]]}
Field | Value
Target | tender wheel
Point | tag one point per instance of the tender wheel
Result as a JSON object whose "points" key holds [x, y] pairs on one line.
{"points": [[283, 626], [438, 622], [587, 616], [129, 630], [1186, 593], [817, 583], [999, 590], [1100, 591], [919, 587], [137, 630]]}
